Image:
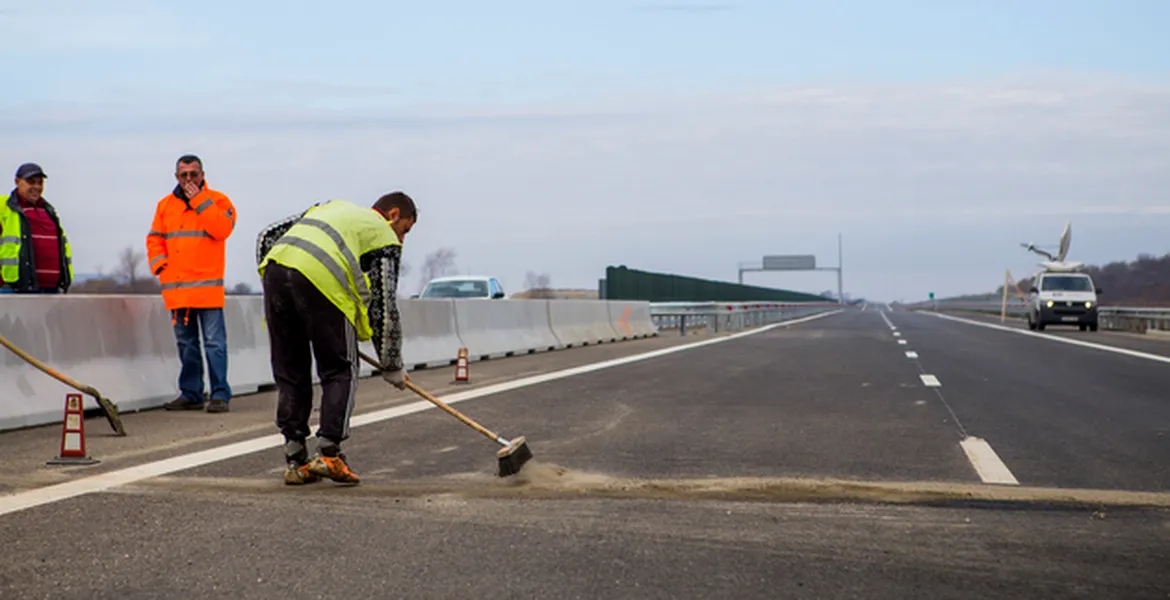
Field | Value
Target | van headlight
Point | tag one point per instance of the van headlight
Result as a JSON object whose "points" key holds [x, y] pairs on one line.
{"points": [[1088, 305], [1050, 304]]}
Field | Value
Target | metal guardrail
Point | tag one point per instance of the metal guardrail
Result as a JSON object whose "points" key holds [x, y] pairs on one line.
{"points": [[720, 317], [1115, 318]]}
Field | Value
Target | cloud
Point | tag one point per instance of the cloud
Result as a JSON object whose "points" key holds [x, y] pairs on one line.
{"points": [[689, 184]]}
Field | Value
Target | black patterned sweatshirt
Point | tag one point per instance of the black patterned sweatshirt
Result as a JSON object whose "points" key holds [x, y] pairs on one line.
{"points": [[382, 265]]}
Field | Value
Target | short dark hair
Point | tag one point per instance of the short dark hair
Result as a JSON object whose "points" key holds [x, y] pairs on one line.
{"points": [[399, 200], [187, 159]]}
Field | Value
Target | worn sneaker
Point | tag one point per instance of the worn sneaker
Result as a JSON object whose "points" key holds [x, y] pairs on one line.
{"points": [[182, 403], [333, 467], [298, 473]]}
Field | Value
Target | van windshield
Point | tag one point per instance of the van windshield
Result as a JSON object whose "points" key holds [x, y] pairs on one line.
{"points": [[1066, 283], [470, 288]]}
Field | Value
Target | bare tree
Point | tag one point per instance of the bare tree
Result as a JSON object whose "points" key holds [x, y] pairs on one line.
{"points": [[129, 267], [538, 285], [437, 264]]}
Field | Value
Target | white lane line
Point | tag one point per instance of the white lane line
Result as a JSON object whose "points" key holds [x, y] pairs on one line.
{"points": [[1053, 338], [930, 381], [911, 354], [13, 502], [897, 334], [902, 342], [887, 320], [986, 462]]}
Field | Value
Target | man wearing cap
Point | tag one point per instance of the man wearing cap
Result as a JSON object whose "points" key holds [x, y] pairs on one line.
{"points": [[35, 257]]}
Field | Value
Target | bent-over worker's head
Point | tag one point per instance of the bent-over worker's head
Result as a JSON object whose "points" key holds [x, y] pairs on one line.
{"points": [[399, 209], [30, 181]]}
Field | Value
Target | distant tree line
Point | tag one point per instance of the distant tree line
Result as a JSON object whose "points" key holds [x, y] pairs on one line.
{"points": [[130, 276]]}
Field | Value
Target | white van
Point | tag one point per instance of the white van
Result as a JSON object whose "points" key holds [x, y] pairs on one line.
{"points": [[1062, 297], [1061, 293]]}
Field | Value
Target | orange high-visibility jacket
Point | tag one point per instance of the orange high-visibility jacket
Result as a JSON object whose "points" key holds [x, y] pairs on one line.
{"points": [[185, 247]]}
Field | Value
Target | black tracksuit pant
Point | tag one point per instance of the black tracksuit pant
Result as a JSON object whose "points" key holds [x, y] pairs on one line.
{"points": [[303, 324]]}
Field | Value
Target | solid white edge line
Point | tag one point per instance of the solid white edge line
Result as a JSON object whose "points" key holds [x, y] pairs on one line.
{"points": [[889, 323], [986, 462], [930, 381], [13, 502], [1114, 349]]}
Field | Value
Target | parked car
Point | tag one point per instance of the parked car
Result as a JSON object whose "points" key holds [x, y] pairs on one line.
{"points": [[463, 287]]}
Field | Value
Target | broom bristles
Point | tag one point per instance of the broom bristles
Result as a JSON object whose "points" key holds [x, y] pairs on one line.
{"points": [[513, 457]]}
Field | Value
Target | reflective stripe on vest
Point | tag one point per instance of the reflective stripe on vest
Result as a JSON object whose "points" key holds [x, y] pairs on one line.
{"points": [[317, 247]]}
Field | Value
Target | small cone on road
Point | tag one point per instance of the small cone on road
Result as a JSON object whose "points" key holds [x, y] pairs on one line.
{"points": [[73, 435], [462, 369]]}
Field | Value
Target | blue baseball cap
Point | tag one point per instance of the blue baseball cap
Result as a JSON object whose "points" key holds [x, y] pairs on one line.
{"points": [[30, 170]]}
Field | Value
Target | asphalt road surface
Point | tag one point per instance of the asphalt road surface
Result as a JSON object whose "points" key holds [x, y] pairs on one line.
{"points": [[847, 456]]}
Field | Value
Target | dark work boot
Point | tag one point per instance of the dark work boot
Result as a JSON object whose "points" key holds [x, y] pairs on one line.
{"points": [[217, 406], [182, 403]]}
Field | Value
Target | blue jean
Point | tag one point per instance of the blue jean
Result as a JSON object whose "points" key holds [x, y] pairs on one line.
{"points": [[188, 322]]}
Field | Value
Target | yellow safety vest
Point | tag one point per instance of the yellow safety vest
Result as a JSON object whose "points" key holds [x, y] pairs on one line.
{"points": [[16, 250], [326, 246]]}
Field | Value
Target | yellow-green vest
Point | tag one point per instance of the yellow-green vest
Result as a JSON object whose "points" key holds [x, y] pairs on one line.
{"points": [[326, 246], [17, 264]]}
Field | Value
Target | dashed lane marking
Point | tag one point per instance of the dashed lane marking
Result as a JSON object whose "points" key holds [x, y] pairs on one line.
{"points": [[986, 462], [902, 342], [979, 453]]}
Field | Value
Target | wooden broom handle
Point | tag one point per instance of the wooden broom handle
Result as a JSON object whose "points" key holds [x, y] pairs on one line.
{"points": [[443, 405]]}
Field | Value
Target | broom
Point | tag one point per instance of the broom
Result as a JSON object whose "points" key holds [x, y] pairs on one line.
{"points": [[108, 407], [511, 457]]}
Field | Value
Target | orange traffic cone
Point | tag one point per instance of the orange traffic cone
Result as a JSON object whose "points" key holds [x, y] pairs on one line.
{"points": [[462, 369], [73, 435]]}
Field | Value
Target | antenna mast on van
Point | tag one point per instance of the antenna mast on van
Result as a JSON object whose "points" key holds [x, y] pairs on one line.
{"points": [[1057, 263]]}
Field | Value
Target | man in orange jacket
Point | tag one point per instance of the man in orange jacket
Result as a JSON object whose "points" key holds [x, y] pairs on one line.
{"points": [[185, 249]]}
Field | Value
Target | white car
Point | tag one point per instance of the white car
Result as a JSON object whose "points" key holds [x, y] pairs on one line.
{"points": [[463, 287]]}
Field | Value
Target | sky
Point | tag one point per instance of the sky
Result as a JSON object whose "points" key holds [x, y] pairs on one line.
{"points": [[562, 137]]}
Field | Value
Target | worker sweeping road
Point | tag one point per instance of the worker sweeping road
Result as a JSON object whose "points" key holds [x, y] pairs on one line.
{"points": [[317, 294]]}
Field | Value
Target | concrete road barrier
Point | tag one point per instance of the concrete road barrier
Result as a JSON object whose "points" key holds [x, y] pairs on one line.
{"points": [[631, 320], [494, 328], [581, 322], [432, 337], [125, 347]]}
